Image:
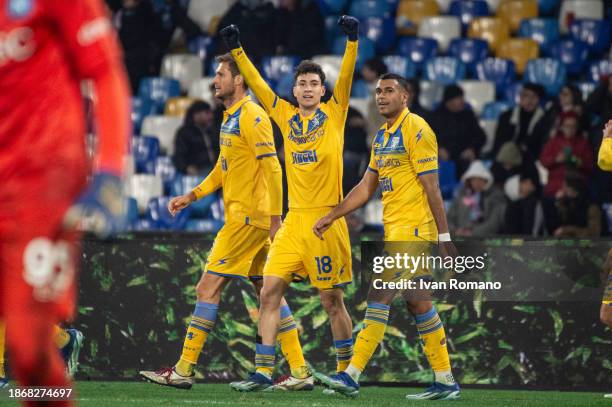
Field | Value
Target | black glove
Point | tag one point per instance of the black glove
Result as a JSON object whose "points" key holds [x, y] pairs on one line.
{"points": [[350, 26], [231, 36]]}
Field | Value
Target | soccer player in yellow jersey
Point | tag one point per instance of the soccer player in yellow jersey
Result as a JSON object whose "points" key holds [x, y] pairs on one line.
{"points": [[250, 175], [404, 162], [605, 163], [69, 342], [314, 141]]}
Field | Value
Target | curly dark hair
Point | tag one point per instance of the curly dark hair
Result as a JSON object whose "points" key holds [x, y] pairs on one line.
{"points": [[308, 66]]}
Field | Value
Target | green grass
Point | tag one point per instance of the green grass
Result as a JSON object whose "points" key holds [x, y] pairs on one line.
{"points": [[98, 394]]}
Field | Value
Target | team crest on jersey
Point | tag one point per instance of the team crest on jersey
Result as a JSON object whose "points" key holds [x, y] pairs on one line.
{"points": [[314, 131], [20, 8]]}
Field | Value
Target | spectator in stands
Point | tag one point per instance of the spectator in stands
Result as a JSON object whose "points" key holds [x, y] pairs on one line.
{"points": [[174, 16], [567, 150], [255, 19], [570, 99], [300, 28], [572, 214], [196, 146], [508, 162], [599, 103], [415, 107], [479, 207], [460, 137], [525, 216], [356, 151], [372, 70], [527, 125], [140, 33]]}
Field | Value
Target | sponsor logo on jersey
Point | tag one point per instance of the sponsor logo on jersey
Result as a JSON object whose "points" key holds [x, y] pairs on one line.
{"points": [[389, 162], [314, 131], [16, 45], [225, 141], [386, 184], [304, 157], [427, 160], [20, 8]]}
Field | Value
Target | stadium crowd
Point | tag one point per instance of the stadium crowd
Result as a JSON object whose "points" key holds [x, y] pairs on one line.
{"points": [[518, 130]]}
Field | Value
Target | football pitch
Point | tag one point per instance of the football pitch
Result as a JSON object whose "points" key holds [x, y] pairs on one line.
{"points": [[99, 394]]}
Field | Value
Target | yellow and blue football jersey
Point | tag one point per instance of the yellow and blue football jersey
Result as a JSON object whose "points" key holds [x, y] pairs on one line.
{"points": [[399, 155], [313, 144]]}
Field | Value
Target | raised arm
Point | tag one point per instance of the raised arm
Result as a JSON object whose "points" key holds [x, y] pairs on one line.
{"points": [[342, 88], [261, 89]]}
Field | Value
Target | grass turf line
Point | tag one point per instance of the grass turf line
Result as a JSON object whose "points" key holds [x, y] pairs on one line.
{"points": [[103, 394]]}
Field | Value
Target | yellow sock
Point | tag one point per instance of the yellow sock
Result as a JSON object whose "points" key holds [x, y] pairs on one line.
{"points": [[60, 336], [264, 359], [344, 353], [290, 344], [432, 334], [373, 332], [2, 338], [202, 323]]}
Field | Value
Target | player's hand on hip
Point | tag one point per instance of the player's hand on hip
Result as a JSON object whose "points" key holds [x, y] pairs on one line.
{"points": [[179, 203], [350, 26], [231, 36], [275, 224], [448, 249], [322, 225], [101, 209]]}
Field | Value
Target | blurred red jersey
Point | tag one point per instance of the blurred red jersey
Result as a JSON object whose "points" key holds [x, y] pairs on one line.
{"points": [[46, 48]]}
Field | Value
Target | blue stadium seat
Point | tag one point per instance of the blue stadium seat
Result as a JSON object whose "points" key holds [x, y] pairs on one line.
{"points": [[467, 10], [418, 50], [284, 87], [512, 91], [132, 210], [331, 7], [492, 110], [145, 150], [497, 70], [275, 67], [366, 49], [596, 33], [360, 89], [448, 178], [157, 90], [332, 31], [157, 211], [544, 31], [141, 107], [445, 70], [546, 7], [548, 72], [370, 8], [573, 53], [586, 88], [600, 68], [201, 46], [381, 31], [470, 51], [185, 183], [166, 170], [145, 225], [203, 225], [400, 65]]}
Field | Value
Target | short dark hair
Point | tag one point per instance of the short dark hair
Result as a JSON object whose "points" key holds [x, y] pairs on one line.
{"points": [[231, 63], [308, 66], [400, 80]]}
